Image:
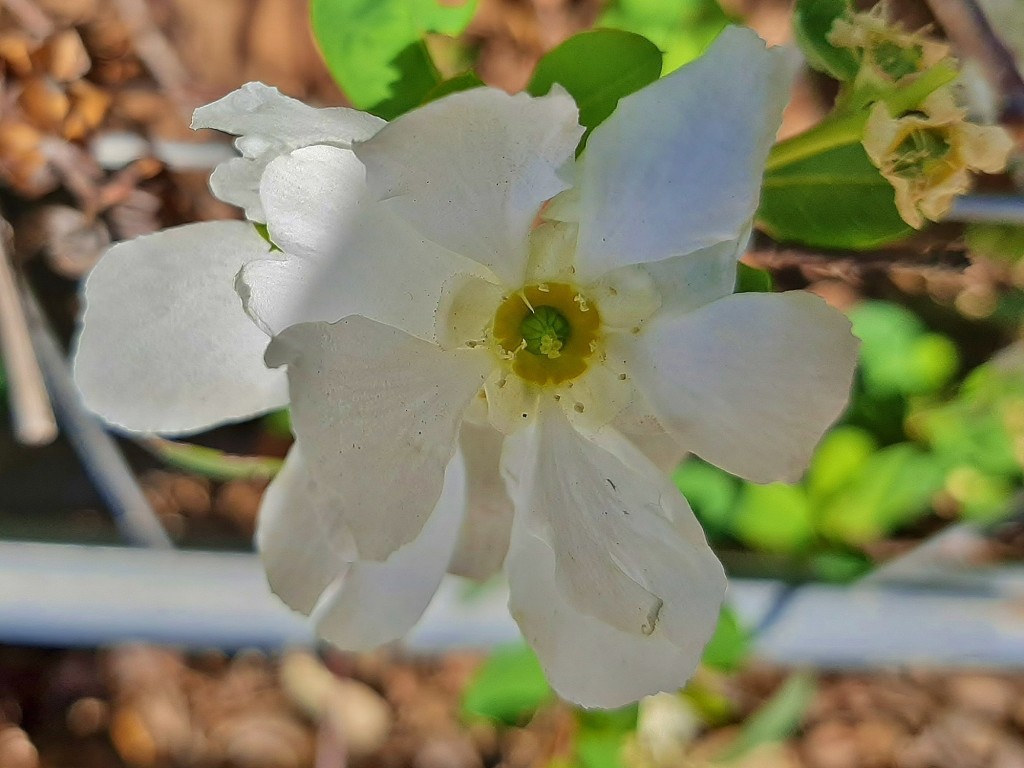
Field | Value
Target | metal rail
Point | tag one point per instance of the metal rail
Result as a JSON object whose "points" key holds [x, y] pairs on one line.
{"points": [[69, 595]]}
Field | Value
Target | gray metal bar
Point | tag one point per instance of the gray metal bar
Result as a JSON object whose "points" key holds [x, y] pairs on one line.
{"points": [[988, 209], [67, 595]]}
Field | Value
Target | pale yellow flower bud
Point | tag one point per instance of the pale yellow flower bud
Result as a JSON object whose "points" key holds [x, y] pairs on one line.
{"points": [[888, 55], [928, 155]]}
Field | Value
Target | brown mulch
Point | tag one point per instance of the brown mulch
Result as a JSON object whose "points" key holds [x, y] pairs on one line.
{"points": [[146, 707]]}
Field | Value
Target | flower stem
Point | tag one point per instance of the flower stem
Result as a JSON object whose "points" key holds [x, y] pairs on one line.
{"points": [[840, 130], [210, 462]]}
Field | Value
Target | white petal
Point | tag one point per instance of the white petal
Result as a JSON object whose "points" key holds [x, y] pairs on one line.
{"points": [[552, 252], [165, 345], [750, 382], [343, 252], [299, 558], [471, 171], [615, 521], [511, 401], [270, 124], [378, 413], [483, 541], [595, 398], [626, 297], [694, 279], [625, 541], [465, 311], [678, 165], [375, 603]]}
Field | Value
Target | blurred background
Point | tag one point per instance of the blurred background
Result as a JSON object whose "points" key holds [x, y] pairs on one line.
{"points": [[876, 609]]}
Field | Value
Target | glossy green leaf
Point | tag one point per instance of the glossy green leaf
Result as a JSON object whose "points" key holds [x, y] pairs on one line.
{"points": [[371, 45], [778, 719], [837, 199], [730, 645], [812, 21], [598, 68], [683, 29], [509, 687], [463, 82], [775, 517], [417, 78]]}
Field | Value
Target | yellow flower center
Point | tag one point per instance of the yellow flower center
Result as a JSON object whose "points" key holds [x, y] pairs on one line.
{"points": [[921, 152], [547, 332]]}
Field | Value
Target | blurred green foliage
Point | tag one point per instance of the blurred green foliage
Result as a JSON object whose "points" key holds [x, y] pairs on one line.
{"points": [[508, 688], [909, 435], [682, 29]]}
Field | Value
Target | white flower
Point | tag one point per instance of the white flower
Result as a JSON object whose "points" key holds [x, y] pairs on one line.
{"points": [[478, 332]]}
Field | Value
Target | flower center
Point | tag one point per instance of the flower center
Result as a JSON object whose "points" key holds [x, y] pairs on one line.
{"points": [[921, 153], [547, 332]]}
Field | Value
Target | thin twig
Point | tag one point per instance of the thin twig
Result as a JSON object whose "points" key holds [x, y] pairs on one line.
{"points": [[31, 412], [966, 25], [96, 449]]}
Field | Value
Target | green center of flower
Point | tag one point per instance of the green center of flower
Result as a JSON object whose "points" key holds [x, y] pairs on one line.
{"points": [[545, 331], [896, 60], [921, 152]]}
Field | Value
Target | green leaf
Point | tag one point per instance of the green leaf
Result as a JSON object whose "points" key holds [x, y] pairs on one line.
{"points": [[366, 44], [812, 21], [775, 517], [598, 68], [509, 687], [683, 29], [892, 489], [836, 199], [995, 242], [898, 356], [464, 82], [600, 749], [263, 231], [982, 497], [278, 423], [778, 719], [837, 460], [840, 567], [981, 427], [417, 77], [730, 645], [710, 492], [752, 280]]}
